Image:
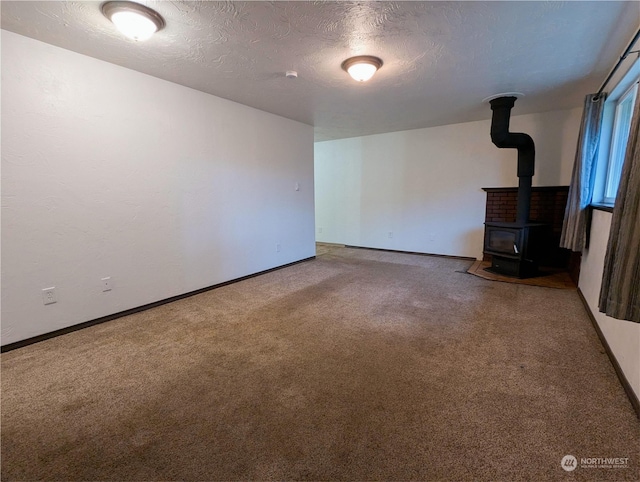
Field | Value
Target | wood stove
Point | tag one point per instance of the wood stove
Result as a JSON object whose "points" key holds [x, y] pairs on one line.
{"points": [[514, 247]]}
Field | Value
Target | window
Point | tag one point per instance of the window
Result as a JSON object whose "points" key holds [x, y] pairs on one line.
{"points": [[619, 137], [616, 124]]}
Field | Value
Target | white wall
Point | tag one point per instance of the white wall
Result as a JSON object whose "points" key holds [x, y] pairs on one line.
{"points": [[110, 172], [424, 185], [623, 337]]}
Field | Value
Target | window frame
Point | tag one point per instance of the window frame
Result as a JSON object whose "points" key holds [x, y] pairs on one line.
{"points": [[602, 163], [614, 164]]}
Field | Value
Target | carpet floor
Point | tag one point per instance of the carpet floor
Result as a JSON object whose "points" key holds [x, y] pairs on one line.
{"points": [[359, 365]]}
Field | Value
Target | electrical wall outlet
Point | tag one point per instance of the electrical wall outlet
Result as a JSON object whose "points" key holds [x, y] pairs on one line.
{"points": [[319, 230], [49, 296], [390, 234], [106, 284], [278, 248]]}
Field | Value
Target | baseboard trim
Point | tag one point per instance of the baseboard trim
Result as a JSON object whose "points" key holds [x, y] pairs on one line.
{"points": [[131, 311], [465, 258], [633, 398]]}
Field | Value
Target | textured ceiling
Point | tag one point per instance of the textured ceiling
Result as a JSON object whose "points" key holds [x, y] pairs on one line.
{"points": [[440, 58]]}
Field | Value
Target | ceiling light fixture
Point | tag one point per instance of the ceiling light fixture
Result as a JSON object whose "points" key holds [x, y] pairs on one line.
{"points": [[136, 21], [362, 67]]}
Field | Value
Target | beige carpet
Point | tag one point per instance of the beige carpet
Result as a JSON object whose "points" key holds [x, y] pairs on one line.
{"points": [[359, 365]]}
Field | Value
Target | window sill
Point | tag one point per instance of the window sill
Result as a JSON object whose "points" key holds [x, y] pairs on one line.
{"points": [[602, 207]]}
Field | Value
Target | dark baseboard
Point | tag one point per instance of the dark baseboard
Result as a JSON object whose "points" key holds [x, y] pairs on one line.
{"points": [[465, 258], [633, 398], [131, 311]]}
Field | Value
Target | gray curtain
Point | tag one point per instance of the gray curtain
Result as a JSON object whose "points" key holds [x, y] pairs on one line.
{"points": [[576, 223], [620, 291]]}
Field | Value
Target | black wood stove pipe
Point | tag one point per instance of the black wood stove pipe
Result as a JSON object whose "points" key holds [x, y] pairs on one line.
{"points": [[504, 139]]}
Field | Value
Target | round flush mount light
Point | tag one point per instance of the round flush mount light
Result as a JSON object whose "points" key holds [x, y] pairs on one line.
{"points": [[134, 20], [362, 67]]}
